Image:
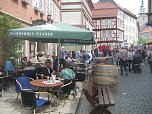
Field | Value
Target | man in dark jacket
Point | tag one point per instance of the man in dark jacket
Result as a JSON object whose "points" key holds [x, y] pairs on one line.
{"points": [[96, 52], [137, 59], [105, 51]]}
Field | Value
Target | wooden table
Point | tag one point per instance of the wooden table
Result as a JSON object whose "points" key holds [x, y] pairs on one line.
{"points": [[39, 83]]}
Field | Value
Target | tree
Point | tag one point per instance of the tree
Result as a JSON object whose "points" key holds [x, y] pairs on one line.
{"points": [[8, 47], [142, 40]]}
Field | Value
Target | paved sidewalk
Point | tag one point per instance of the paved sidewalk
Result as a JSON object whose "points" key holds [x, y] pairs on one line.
{"points": [[133, 95], [8, 105]]}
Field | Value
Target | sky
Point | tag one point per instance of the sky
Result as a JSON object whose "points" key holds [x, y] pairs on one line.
{"points": [[131, 5]]}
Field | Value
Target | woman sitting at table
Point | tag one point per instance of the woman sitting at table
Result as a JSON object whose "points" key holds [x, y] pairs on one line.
{"points": [[66, 73]]}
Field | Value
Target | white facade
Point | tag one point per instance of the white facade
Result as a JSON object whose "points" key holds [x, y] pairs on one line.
{"points": [[79, 13], [130, 30], [54, 11]]}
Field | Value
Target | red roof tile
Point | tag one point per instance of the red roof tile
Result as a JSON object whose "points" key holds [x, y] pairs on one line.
{"points": [[105, 9], [147, 30], [104, 5], [108, 9], [105, 13]]}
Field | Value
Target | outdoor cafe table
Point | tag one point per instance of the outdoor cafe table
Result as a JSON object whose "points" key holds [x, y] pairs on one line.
{"points": [[41, 83]]}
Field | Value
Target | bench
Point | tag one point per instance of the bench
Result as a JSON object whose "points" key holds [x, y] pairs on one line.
{"points": [[100, 97]]}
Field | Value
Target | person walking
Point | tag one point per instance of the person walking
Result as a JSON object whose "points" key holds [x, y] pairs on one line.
{"points": [[130, 58], [150, 59], [143, 54], [137, 59], [96, 52], [123, 60], [105, 51], [116, 56]]}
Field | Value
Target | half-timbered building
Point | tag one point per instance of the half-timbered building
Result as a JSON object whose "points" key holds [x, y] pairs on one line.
{"points": [[109, 23]]}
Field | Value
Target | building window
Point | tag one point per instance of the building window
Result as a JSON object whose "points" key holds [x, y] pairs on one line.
{"points": [[109, 34], [106, 22], [130, 28], [41, 6], [120, 35], [98, 35], [104, 34], [143, 18], [133, 21], [35, 3], [126, 38], [129, 19], [48, 7], [124, 16]]}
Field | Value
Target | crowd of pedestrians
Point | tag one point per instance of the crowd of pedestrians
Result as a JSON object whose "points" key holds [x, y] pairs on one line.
{"points": [[128, 59]]}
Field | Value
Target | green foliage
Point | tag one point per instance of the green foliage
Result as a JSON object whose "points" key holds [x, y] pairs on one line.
{"points": [[8, 47], [142, 40]]}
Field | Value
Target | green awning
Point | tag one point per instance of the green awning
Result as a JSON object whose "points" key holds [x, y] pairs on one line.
{"points": [[51, 33]]}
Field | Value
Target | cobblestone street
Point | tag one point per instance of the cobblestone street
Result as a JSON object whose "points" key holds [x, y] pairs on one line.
{"points": [[133, 94]]}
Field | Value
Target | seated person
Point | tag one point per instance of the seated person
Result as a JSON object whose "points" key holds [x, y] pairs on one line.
{"points": [[66, 73], [29, 66], [30, 70], [47, 68], [24, 61], [33, 59], [9, 66], [2, 71]]}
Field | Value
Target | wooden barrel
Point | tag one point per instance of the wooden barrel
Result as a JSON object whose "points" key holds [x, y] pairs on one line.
{"points": [[105, 74], [103, 60]]}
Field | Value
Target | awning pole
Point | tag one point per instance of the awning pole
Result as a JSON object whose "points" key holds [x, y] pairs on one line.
{"points": [[58, 67]]}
